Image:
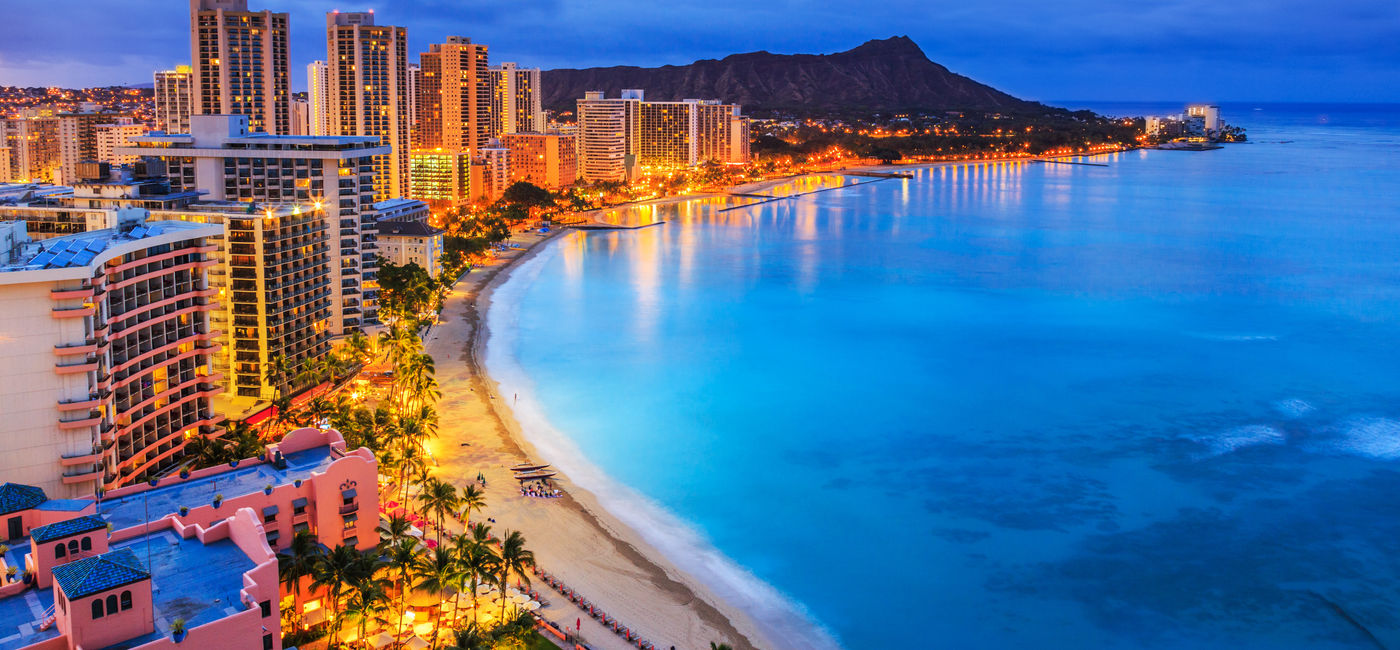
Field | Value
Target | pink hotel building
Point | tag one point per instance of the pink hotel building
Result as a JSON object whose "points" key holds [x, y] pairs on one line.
{"points": [[103, 574]]}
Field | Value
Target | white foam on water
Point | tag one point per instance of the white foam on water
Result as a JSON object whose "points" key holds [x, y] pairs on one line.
{"points": [[1371, 437], [1233, 338], [1294, 408], [784, 621], [1241, 437]]}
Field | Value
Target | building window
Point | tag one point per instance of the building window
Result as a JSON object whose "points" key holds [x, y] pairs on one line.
{"points": [[87, 544], [72, 547], [267, 642], [59, 552], [126, 600], [112, 604], [266, 608], [97, 608]]}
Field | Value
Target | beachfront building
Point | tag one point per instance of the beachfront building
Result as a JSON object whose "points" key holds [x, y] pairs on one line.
{"points": [[411, 242], [367, 74], [240, 64], [108, 350], [441, 178], [174, 99], [609, 135], [199, 546], [454, 97], [301, 116], [548, 160], [334, 173], [516, 100]]}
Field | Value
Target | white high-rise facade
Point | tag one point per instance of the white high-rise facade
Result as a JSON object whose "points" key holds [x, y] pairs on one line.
{"points": [[174, 99], [319, 96], [368, 78], [516, 104]]}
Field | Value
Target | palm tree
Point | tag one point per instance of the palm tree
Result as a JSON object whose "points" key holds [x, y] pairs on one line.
{"points": [[282, 415], [367, 600], [438, 498], [278, 371], [402, 554], [299, 560], [437, 572], [478, 560], [515, 558], [393, 529], [357, 348], [472, 499], [341, 567]]}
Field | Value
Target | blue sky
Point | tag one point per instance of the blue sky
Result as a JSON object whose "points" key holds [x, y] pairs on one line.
{"points": [[1216, 50]]}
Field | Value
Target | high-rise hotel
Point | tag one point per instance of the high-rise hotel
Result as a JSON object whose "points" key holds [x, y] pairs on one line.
{"points": [[454, 96], [367, 74], [621, 138], [240, 63], [516, 104], [107, 349], [609, 136], [222, 157]]}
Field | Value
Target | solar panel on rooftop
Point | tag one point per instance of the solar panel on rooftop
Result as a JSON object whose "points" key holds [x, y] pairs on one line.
{"points": [[60, 246], [83, 257], [97, 245], [138, 232], [41, 259]]}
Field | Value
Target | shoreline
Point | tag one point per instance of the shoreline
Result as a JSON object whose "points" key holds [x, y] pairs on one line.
{"points": [[575, 538]]}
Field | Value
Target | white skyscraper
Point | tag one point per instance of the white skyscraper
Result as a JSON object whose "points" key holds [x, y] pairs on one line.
{"points": [[319, 97]]}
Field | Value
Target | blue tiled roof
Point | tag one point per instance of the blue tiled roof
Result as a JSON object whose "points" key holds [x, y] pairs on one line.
{"points": [[67, 528], [97, 574], [15, 497]]}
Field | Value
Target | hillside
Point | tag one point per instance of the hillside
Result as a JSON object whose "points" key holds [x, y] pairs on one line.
{"points": [[882, 75]]}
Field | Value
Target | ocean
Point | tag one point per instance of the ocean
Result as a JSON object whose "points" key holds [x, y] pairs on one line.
{"points": [[1153, 404]]}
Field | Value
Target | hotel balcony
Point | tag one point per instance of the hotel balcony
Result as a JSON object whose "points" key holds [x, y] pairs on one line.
{"points": [[90, 419], [74, 312], [88, 364], [70, 460], [81, 477], [91, 402], [85, 293], [86, 347]]}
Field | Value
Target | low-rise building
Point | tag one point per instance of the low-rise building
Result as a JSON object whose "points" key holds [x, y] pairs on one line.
{"points": [[200, 547], [441, 178], [411, 242]]}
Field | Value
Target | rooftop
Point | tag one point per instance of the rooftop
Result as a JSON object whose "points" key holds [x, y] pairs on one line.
{"points": [[407, 229], [191, 580], [80, 249], [130, 510], [97, 574], [67, 528], [20, 616], [15, 497]]}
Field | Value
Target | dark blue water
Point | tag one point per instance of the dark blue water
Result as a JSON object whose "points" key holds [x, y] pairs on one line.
{"points": [[1149, 405]]}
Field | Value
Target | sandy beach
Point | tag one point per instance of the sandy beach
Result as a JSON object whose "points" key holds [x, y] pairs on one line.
{"points": [[572, 537]]}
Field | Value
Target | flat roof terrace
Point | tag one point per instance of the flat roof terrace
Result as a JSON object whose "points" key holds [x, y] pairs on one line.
{"points": [[131, 510], [191, 580], [20, 616]]}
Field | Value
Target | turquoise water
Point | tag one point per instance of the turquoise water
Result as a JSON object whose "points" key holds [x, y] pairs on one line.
{"points": [[1148, 405]]}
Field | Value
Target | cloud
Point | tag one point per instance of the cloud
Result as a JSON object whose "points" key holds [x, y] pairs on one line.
{"points": [[1070, 48]]}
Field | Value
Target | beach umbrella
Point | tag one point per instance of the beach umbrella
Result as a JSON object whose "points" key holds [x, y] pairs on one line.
{"points": [[417, 643], [380, 640], [423, 629]]}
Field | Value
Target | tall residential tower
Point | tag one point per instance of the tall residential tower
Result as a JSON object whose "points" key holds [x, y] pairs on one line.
{"points": [[174, 99], [454, 97], [367, 68], [240, 63], [516, 105]]}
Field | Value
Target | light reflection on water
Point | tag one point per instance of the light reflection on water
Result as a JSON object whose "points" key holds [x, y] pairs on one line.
{"points": [[1145, 405]]}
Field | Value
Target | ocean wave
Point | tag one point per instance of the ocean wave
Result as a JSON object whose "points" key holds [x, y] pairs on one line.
{"points": [[1294, 408], [782, 620], [1371, 437], [1233, 338], [1240, 437]]}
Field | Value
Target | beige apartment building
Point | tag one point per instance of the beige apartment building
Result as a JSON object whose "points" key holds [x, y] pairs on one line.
{"points": [[609, 136], [333, 173], [240, 64], [516, 100], [107, 348], [174, 90], [367, 74]]}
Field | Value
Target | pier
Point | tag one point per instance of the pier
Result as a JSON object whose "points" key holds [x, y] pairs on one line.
{"points": [[1068, 162]]}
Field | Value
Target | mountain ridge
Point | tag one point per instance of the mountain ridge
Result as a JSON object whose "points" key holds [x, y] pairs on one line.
{"points": [[892, 74]]}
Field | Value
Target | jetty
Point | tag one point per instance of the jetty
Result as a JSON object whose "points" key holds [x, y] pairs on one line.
{"points": [[1051, 161]]}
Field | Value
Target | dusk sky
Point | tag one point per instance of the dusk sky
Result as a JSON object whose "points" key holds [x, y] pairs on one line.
{"points": [[1256, 50]]}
